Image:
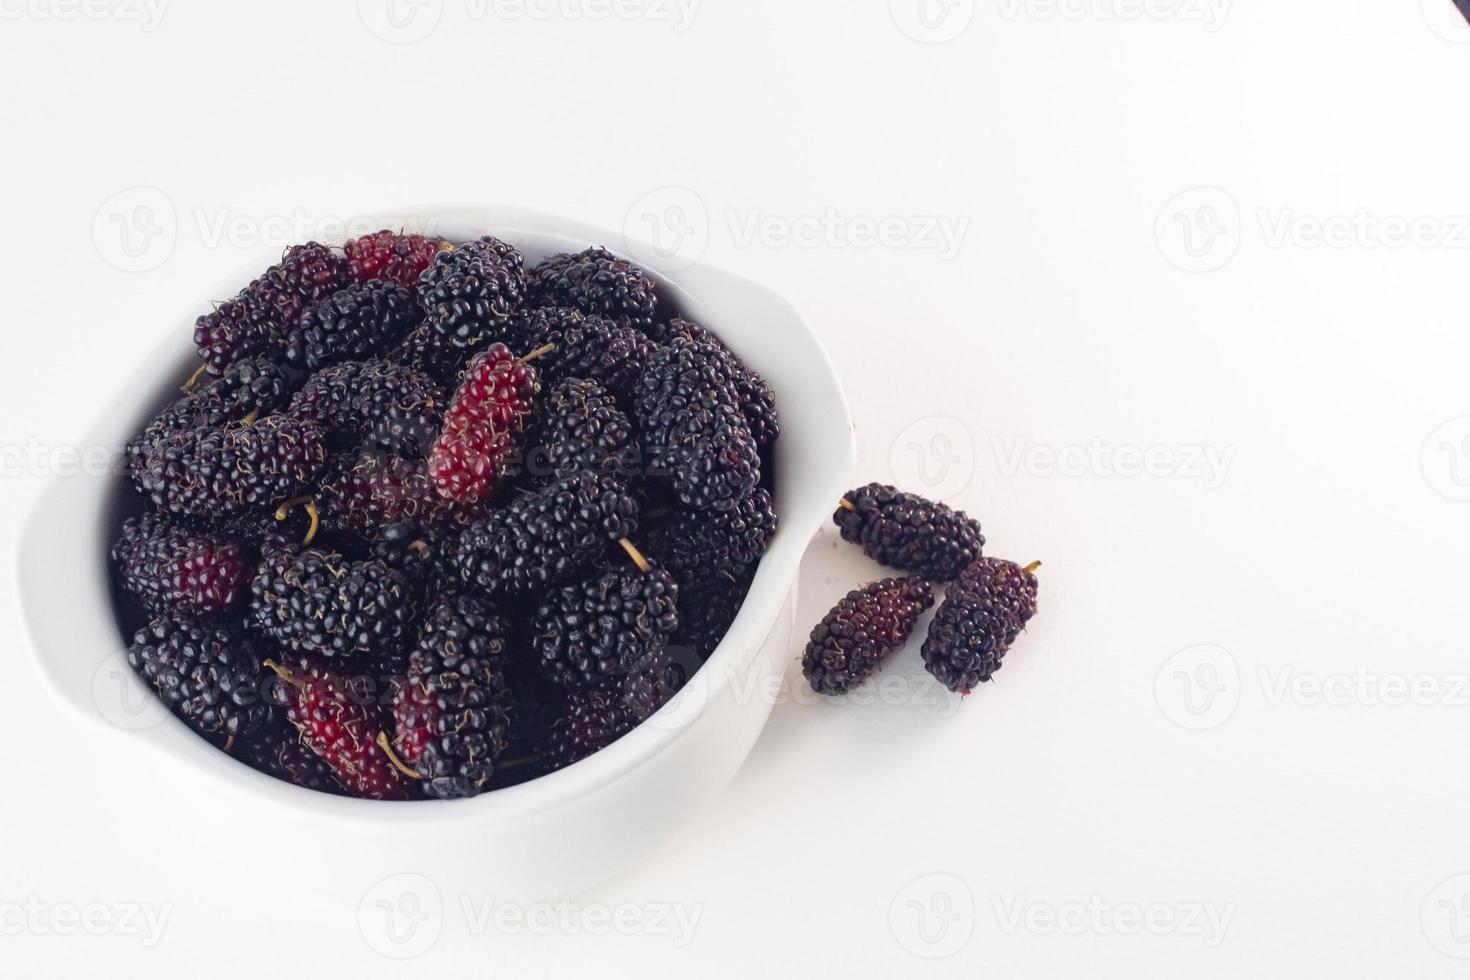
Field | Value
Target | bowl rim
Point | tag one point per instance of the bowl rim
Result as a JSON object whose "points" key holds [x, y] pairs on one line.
{"points": [[775, 576]]}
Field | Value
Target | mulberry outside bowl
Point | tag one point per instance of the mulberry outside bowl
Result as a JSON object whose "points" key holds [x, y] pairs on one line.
{"points": [[552, 836]]}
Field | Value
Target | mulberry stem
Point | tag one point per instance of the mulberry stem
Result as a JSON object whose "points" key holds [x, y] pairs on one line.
{"points": [[194, 378], [846, 504], [636, 555], [1032, 567], [398, 763], [285, 509], [547, 349]]}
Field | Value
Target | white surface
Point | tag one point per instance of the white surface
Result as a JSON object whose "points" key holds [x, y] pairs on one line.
{"points": [[1331, 829]]}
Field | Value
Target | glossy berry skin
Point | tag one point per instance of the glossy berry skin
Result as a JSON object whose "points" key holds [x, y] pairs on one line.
{"points": [[176, 568], [598, 282], [207, 674], [340, 722], [984, 611], [228, 471], [865, 626], [375, 405], [355, 322], [604, 626], [452, 711], [909, 533], [470, 294], [317, 602], [281, 754], [708, 605], [579, 426], [697, 542], [481, 425], [593, 348], [594, 718], [545, 538], [391, 256], [366, 492], [692, 430], [259, 320], [757, 400]]}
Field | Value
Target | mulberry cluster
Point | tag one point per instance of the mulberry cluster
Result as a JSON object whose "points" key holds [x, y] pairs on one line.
{"points": [[452, 711], [865, 626], [340, 719], [358, 321], [983, 613], [376, 405], [209, 675], [692, 428], [578, 427], [481, 425], [317, 602], [391, 256], [546, 538], [908, 533], [596, 281], [605, 626], [258, 321], [470, 293], [389, 531], [176, 568]]}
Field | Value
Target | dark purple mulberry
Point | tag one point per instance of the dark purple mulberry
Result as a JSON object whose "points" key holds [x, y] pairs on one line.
{"points": [[864, 626], [909, 533]]}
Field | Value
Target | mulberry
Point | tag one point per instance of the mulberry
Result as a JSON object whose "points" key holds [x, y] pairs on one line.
{"points": [[480, 425], [578, 426], [606, 625], [596, 281], [865, 626], [470, 293], [315, 601], [983, 613], [209, 675], [174, 568], [729, 541], [593, 348], [391, 256], [374, 405], [358, 321], [909, 533], [340, 721]]}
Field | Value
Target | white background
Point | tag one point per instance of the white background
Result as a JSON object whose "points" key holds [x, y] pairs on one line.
{"points": [[1158, 743]]}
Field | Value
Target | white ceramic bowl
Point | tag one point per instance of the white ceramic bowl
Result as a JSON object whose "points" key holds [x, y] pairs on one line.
{"points": [[553, 836]]}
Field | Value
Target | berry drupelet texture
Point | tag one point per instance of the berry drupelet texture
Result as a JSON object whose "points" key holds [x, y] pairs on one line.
{"points": [[339, 721], [452, 711], [909, 533], [365, 492], [699, 541], [258, 321], [471, 293], [209, 675], [375, 405], [391, 256], [481, 425], [593, 719], [315, 601], [358, 321], [692, 429], [596, 281], [177, 568], [231, 470], [708, 605], [546, 538], [281, 754], [866, 625], [579, 426], [593, 348], [757, 400], [604, 626], [984, 611]]}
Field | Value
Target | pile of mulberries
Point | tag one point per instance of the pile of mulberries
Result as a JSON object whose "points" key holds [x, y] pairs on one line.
{"points": [[987, 602], [431, 519]]}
